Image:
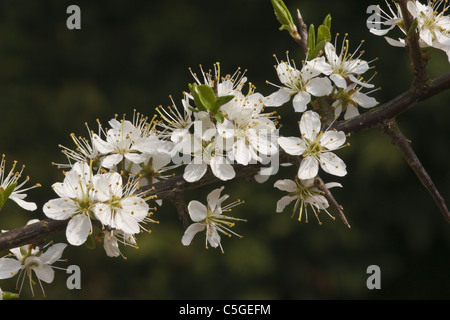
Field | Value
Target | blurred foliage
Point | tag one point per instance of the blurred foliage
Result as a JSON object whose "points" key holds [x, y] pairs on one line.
{"points": [[133, 55]]}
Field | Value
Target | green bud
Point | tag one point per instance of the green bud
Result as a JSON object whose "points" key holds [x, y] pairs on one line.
{"points": [[9, 295], [284, 17]]}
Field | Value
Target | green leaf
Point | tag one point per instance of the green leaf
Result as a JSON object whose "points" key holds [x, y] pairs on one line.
{"points": [[283, 15], [207, 97], [5, 193], [323, 33], [313, 54], [219, 117], [311, 39], [327, 22], [222, 100], [197, 102]]}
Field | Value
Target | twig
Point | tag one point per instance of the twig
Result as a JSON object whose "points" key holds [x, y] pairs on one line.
{"points": [[391, 129], [421, 78], [327, 194]]}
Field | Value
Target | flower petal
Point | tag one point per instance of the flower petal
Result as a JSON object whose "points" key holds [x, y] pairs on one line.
{"points": [[78, 229], [193, 172], [319, 87], [190, 232], [332, 164], [283, 202], [309, 167], [292, 145], [9, 267], [60, 209], [301, 101], [286, 185], [278, 98], [332, 139], [53, 253], [310, 125], [197, 210]]}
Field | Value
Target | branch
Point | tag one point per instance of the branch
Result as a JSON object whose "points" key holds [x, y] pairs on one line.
{"points": [[170, 189], [391, 129]]}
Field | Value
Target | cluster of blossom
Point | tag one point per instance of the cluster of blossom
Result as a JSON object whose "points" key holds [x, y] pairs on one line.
{"points": [[334, 80], [244, 135], [431, 23]]}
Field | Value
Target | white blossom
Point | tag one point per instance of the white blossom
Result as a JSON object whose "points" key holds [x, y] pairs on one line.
{"points": [[349, 99], [342, 69], [76, 199], [301, 84], [305, 194], [29, 260], [251, 132], [212, 218], [315, 146], [433, 25], [11, 180], [118, 206]]}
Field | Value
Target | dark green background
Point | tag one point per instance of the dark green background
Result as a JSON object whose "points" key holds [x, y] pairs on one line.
{"points": [[133, 55]]}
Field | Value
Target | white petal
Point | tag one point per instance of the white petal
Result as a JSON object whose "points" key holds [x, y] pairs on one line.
{"points": [[332, 139], [241, 152], [102, 146], [364, 100], [321, 65], [332, 57], [78, 229], [381, 32], [283, 202], [319, 87], [9, 267], [60, 209], [44, 273], [194, 172], [197, 210], [223, 171], [135, 157], [361, 83], [310, 125], [301, 101], [339, 80], [103, 213], [351, 112], [214, 199], [278, 98], [333, 185], [395, 43], [111, 160], [125, 222], [53, 253], [292, 145], [286, 185], [213, 237], [309, 167], [226, 129], [332, 164], [190, 232], [30, 206]]}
